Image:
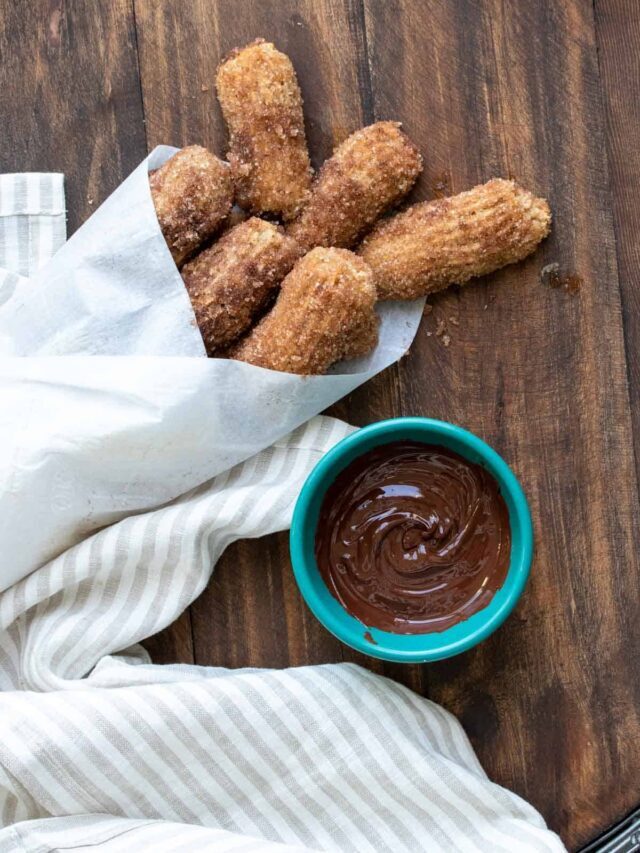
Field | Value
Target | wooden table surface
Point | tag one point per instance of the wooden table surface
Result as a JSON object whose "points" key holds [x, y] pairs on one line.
{"points": [[543, 91]]}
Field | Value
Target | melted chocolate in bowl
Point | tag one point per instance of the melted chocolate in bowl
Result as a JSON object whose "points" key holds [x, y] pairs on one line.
{"points": [[413, 538]]}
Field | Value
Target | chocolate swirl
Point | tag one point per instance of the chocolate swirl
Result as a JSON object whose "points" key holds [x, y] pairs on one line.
{"points": [[413, 538]]}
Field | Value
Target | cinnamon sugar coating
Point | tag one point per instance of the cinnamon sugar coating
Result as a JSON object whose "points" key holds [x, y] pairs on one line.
{"points": [[434, 244], [231, 282], [369, 173], [325, 312], [262, 106], [192, 193]]}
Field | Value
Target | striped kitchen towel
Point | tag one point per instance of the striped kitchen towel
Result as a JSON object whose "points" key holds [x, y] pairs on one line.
{"points": [[102, 750], [32, 225]]}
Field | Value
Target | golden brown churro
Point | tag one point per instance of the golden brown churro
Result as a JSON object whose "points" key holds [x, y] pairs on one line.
{"points": [[192, 193], [325, 311], [262, 106], [369, 173], [230, 282], [363, 338], [434, 244], [235, 217]]}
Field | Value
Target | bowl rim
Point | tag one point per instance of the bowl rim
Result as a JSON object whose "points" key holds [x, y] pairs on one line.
{"points": [[436, 645]]}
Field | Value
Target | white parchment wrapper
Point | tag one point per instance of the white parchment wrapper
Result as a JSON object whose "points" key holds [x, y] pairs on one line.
{"points": [[108, 404]]}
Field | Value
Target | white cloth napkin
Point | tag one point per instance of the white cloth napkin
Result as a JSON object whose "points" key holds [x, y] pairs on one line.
{"points": [[101, 749]]}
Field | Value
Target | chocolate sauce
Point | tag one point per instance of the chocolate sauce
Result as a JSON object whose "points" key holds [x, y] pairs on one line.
{"points": [[413, 538]]}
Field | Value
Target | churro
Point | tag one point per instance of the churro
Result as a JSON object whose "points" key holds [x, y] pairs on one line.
{"points": [[370, 172], [325, 312], [231, 282], [363, 338], [434, 244], [192, 193], [262, 106]]}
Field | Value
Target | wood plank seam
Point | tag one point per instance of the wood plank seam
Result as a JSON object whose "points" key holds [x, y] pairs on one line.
{"points": [[629, 355], [132, 5]]}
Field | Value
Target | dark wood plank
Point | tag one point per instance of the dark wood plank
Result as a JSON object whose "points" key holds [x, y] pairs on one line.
{"points": [[551, 701], [174, 644], [618, 36], [70, 96], [540, 373], [69, 83], [617, 25], [252, 614]]}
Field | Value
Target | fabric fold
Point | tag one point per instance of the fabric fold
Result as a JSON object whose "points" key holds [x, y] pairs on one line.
{"points": [[101, 749], [133, 578], [325, 757], [32, 221]]}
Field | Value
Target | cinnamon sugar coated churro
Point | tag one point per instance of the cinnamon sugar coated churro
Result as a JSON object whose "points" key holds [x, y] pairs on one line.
{"points": [[434, 244], [363, 338], [192, 193], [370, 172], [231, 282], [325, 311], [262, 106], [235, 217]]}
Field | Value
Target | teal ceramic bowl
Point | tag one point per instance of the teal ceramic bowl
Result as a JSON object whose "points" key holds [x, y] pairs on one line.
{"points": [[409, 648]]}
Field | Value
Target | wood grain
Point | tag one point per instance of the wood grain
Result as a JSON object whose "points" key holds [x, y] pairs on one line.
{"points": [[69, 81], [70, 96], [550, 702], [617, 24], [252, 614], [174, 644], [545, 92], [539, 373]]}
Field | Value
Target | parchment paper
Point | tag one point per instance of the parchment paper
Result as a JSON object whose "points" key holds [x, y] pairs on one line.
{"points": [[108, 404]]}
